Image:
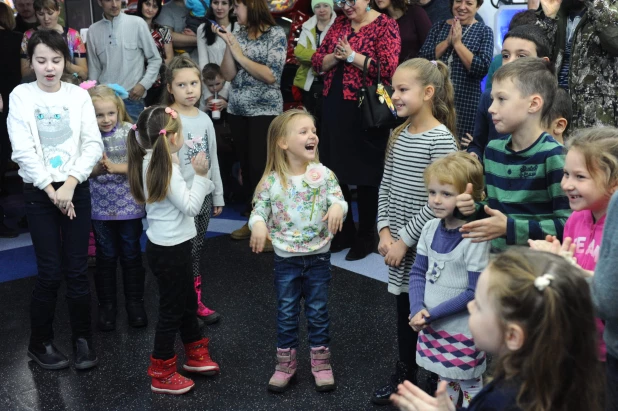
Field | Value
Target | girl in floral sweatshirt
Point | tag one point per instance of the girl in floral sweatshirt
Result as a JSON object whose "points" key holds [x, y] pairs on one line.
{"points": [[300, 206]]}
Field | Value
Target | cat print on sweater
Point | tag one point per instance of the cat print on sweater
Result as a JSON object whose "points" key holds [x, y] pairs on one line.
{"points": [[53, 124]]}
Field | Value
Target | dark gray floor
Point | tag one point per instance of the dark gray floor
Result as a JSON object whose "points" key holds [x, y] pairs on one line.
{"points": [[239, 285]]}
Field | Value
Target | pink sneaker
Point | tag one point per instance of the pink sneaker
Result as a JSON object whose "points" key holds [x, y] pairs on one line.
{"points": [[321, 369], [206, 314], [284, 371]]}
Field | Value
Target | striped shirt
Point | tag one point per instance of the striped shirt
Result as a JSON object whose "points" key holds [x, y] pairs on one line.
{"points": [[402, 202], [525, 186]]}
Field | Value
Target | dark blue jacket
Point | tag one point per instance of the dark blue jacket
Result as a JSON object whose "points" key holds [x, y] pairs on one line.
{"points": [[484, 129], [496, 396]]}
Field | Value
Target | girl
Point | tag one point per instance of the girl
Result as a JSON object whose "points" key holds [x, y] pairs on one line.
{"points": [[533, 312], [184, 88], [590, 178], [55, 153], [298, 195], [170, 206], [424, 94], [443, 279], [116, 217]]}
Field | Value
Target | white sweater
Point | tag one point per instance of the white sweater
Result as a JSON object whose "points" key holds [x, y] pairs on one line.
{"points": [[54, 135], [170, 221]]}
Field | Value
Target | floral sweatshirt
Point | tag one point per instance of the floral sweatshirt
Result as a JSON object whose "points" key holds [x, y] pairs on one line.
{"points": [[294, 214]]}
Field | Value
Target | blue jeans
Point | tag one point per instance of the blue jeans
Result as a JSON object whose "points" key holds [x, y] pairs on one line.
{"points": [[134, 108], [119, 238], [302, 277]]}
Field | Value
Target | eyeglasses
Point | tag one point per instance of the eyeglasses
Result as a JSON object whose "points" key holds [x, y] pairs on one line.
{"points": [[349, 3]]}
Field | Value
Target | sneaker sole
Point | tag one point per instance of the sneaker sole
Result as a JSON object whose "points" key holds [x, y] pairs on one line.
{"points": [[324, 388], [58, 366], [207, 371], [172, 392], [210, 319], [278, 388], [87, 364]]}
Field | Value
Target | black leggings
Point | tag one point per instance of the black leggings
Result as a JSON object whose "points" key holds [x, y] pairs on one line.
{"points": [[406, 336]]}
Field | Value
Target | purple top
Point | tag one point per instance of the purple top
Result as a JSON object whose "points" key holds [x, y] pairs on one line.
{"points": [[110, 193]]}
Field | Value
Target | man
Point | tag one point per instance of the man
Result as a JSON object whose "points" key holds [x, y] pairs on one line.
{"points": [[174, 15], [25, 19], [118, 45]]}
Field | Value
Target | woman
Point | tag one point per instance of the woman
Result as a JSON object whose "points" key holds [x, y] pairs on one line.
{"points": [[149, 10], [47, 12], [354, 154], [253, 63], [211, 47], [466, 46], [313, 32], [413, 22]]}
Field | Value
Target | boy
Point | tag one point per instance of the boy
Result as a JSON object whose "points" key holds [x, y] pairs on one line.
{"points": [[523, 170], [559, 116], [522, 41], [214, 82]]}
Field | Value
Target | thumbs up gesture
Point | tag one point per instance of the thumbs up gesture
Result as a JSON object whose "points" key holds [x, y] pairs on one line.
{"points": [[465, 201], [486, 229]]}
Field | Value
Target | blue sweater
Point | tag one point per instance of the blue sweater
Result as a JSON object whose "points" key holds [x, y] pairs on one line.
{"points": [[484, 128]]}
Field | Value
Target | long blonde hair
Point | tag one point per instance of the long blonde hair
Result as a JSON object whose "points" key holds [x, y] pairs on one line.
{"points": [[434, 74], [103, 92], [276, 159]]}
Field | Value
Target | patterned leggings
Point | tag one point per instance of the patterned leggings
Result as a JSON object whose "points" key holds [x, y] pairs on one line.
{"points": [[469, 387], [201, 225]]}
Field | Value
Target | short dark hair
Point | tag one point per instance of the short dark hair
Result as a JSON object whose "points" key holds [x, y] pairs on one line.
{"points": [[531, 75], [523, 18], [7, 19], [140, 4], [534, 34], [561, 107], [211, 71], [50, 38], [479, 3]]}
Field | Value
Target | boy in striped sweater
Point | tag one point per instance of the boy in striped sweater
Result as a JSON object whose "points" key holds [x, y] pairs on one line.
{"points": [[522, 170]]}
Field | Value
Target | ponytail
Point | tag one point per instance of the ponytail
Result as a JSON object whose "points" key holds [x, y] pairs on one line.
{"points": [[135, 154]]}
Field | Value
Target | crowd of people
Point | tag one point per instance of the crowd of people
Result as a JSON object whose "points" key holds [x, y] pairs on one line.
{"points": [[498, 252]]}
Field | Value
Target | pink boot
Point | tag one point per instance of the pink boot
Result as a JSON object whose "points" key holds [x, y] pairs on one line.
{"points": [[206, 314], [321, 369], [284, 371]]}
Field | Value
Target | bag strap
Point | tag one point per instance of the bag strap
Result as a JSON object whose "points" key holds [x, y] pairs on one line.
{"points": [[365, 69]]}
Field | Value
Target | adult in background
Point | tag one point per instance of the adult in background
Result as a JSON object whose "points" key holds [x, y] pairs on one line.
{"points": [[313, 33], [47, 12], [162, 36], [118, 46], [439, 10], [354, 154], [413, 22], [10, 43], [210, 47], [25, 18], [253, 63], [466, 46], [174, 15], [585, 39]]}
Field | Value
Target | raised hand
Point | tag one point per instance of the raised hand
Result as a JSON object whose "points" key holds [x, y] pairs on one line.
{"points": [[200, 164], [551, 7], [465, 201]]}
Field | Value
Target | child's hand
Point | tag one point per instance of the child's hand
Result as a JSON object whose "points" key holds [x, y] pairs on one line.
{"points": [[200, 164], [334, 216], [98, 169], [411, 398], [259, 234], [396, 253], [486, 229], [216, 211], [465, 141], [208, 103], [418, 321], [551, 244], [465, 202], [222, 105], [386, 241]]}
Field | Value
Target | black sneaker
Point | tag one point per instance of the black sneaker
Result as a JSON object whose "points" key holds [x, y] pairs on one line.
{"points": [[382, 395], [85, 356], [48, 356], [7, 232]]}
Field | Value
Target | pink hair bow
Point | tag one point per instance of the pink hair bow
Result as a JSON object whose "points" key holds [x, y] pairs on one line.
{"points": [[171, 112], [163, 131], [88, 84], [191, 143]]}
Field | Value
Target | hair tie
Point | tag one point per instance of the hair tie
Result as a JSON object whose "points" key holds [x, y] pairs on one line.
{"points": [[435, 63], [88, 84], [134, 127], [119, 90], [171, 112], [163, 132], [542, 282], [137, 138]]}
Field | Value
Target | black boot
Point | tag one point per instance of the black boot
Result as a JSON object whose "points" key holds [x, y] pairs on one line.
{"points": [[41, 348], [79, 315], [134, 295], [382, 395], [105, 284], [363, 246]]}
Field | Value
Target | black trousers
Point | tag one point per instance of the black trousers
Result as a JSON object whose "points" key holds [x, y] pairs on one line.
{"points": [[367, 201], [250, 142], [611, 392], [406, 336], [177, 299]]}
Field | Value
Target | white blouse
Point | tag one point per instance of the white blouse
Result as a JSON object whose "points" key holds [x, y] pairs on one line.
{"points": [[213, 53]]}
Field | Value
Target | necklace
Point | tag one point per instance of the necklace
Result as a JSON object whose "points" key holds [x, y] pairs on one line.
{"points": [[449, 61]]}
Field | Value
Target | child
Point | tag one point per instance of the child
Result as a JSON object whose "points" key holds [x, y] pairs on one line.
{"points": [[55, 152], [215, 85], [559, 116], [299, 204], [197, 11], [532, 311], [523, 170], [521, 41], [170, 207], [184, 88], [423, 94], [443, 279], [116, 217]]}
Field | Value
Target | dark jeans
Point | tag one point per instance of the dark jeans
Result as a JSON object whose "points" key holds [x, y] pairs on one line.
{"points": [[134, 108], [119, 238], [611, 387], [61, 249], [406, 336], [295, 278], [177, 299]]}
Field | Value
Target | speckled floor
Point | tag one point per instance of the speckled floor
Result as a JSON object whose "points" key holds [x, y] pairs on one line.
{"points": [[238, 284]]}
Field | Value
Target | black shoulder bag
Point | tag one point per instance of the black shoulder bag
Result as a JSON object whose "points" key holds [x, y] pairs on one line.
{"points": [[373, 103]]}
